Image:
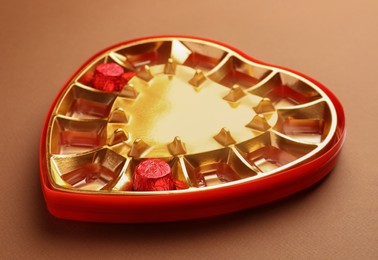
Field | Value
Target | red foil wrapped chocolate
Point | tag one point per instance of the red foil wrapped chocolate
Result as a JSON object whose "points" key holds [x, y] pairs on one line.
{"points": [[109, 77], [153, 175]]}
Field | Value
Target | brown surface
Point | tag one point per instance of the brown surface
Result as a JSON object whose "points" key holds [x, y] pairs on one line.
{"points": [[43, 42]]}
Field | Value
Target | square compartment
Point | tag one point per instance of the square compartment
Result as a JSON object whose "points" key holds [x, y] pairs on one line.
{"points": [[306, 124], [83, 103], [95, 171], [270, 151], [77, 136], [202, 56], [285, 90], [235, 71], [216, 167]]}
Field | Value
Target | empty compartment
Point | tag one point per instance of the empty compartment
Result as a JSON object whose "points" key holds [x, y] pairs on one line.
{"points": [[286, 90], [150, 53], [203, 57], [308, 124], [235, 71], [91, 172], [82, 103], [270, 151], [77, 136], [215, 168]]}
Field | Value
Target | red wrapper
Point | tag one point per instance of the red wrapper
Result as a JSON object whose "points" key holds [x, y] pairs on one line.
{"points": [[153, 175], [109, 77]]}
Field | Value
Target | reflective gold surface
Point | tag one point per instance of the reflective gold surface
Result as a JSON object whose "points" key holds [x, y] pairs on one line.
{"points": [[214, 116]]}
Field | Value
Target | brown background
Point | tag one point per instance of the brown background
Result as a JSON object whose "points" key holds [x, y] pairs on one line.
{"points": [[336, 42]]}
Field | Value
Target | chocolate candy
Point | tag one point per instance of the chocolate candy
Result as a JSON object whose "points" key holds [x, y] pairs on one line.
{"points": [[153, 175], [110, 77]]}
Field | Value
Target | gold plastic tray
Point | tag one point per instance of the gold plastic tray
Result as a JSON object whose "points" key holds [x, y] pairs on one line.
{"points": [[215, 116]]}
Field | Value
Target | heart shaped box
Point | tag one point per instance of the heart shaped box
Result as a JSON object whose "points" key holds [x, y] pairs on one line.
{"points": [[237, 133]]}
